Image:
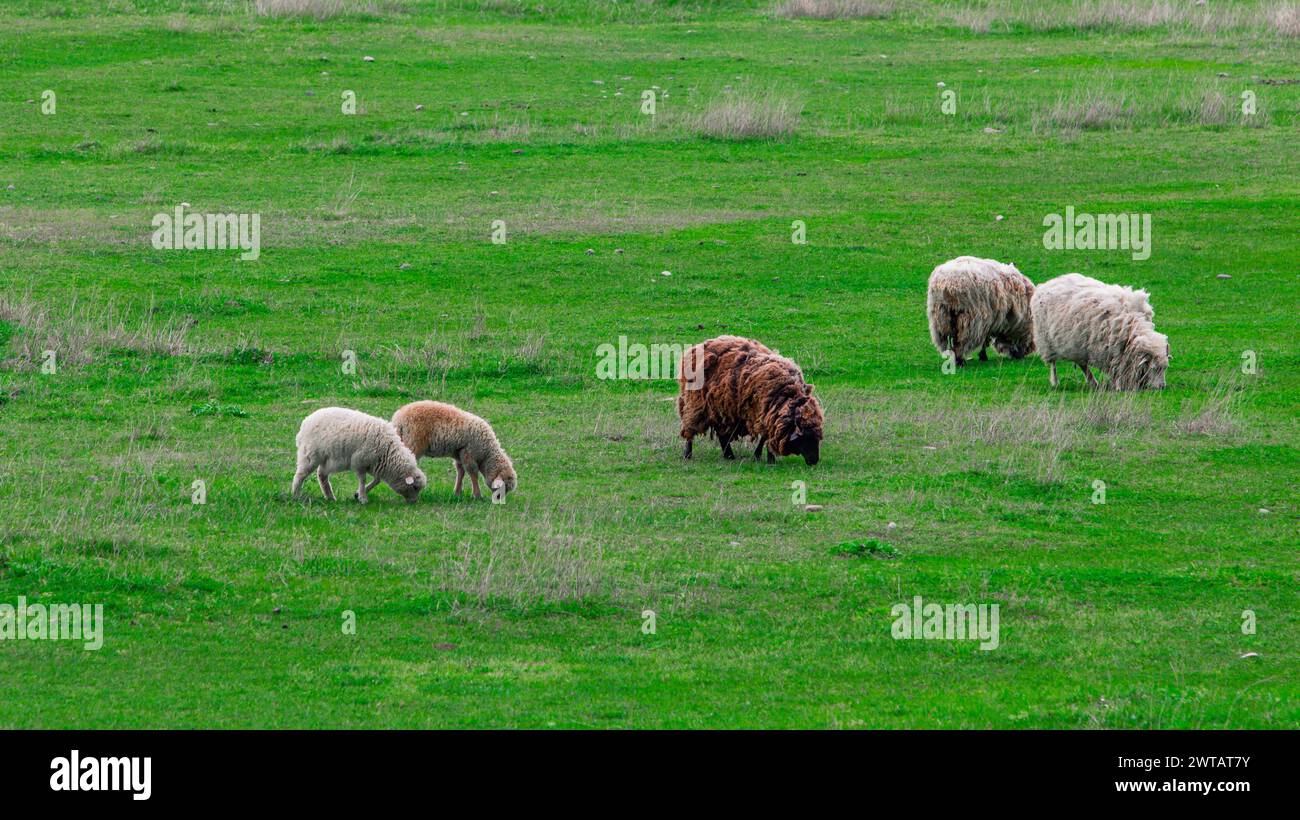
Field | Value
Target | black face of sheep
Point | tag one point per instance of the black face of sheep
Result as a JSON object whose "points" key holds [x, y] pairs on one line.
{"points": [[805, 445], [1017, 349]]}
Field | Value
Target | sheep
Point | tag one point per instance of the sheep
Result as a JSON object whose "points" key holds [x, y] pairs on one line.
{"points": [[334, 439], [747, 389], [438, 430], [973, 301], [1079, 319]]}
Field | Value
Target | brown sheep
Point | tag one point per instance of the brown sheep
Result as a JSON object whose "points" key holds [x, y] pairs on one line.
{"points": [[747, 389]]}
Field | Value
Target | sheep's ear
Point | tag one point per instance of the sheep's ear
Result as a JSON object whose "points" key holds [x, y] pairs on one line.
{"points": [[410, 479]]}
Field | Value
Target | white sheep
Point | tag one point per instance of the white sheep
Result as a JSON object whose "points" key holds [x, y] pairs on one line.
{"points": [[972, 301], [438, 430], [335, 439], [1079, 319]]}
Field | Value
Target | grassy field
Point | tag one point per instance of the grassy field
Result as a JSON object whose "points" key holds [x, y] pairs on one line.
{"points": [[177, 366]]}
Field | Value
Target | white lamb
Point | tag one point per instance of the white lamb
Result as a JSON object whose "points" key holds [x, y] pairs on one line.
{"points": [[335, 439], [1079, 319]]}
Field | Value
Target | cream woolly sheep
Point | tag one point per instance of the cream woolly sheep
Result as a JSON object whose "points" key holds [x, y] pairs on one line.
{"points": [[438, 430], [973, 301], [1079, 319], [335, 439]]}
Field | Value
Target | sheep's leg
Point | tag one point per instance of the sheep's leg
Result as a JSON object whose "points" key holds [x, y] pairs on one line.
{"points": [[367, 487], [325, 487], [984, 351], [771, 456], [472, 468], [1092, 380], [298, 478], [1055, 382], [758, 451], [460, 476], [726, 448], [362, 495], [686, 451]]}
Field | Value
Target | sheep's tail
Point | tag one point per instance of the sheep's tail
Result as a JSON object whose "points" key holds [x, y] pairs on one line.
{"points": [[943, 326]]}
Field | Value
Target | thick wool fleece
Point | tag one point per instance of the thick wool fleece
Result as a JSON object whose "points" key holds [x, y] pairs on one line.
{"points": [[335, 439], [1079, 319], [747, 389], [438, 430], [973, 301]]}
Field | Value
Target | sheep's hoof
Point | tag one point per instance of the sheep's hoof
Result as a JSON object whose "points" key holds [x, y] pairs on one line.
{"points": [[984, 355]]}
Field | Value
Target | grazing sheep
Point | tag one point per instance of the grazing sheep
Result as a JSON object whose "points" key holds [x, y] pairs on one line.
{"points": [[748, 389], [1079, 319], [437, 430], [973, 301], [335, 439]]}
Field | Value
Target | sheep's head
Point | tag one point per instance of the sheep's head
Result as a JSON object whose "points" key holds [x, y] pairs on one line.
{"points": [[801, 430], [1016, 348], [1145, 364], [502, 478], [410, 485]]}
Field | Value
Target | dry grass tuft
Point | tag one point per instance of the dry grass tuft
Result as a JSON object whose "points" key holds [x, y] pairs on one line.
{"points": [[1284, 18], [1218, 413], [834, 9], [81, 332], [743, 116], [1129, 15], [553, 562], [324, 9], [1085, 111]]}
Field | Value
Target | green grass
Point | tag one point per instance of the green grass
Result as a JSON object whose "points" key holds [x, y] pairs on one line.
{"points": [[177, 366]]}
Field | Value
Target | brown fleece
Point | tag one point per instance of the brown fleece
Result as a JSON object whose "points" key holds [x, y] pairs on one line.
{"points": [[747, 390]]}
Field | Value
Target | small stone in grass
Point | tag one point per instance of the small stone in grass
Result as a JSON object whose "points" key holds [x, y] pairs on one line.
{"points": [[1263, 511], [404, 266], [590, 251], [665, 273], [618, 250], [892, 525], [419, 107], [735, 543], [999, 218], [1249, 655], [277, 610], [1223, 276], [368, 59], [813, 507]]}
